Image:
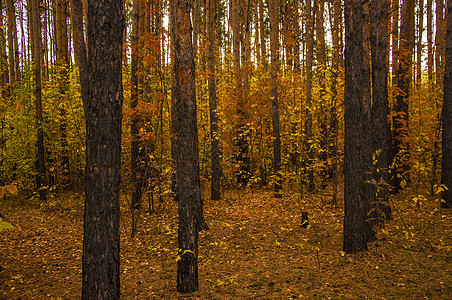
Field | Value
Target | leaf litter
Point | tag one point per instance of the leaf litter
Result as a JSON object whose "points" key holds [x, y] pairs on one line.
{"points": [[255, 249]]}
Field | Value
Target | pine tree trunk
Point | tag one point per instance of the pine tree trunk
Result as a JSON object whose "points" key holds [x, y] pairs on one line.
{"points": [[381, 142], [446, 173], [439, 41], [429, 44], [274, 45], [401, 117], [214, 133], [187, 161], [35, 30], [308, 114], [136, 171], [61, 39], [358, 151], [11, 29], [100, 70]]}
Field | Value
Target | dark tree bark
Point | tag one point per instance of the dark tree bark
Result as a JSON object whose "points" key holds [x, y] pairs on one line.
{"points": [[241, 130], [274, 45], [381, 142], [12, 40], [61, 42], [36, 49], [337, 16], [439, 41], [4, 75], [308, 124], [358, 151], [262, 33], [187, 157], [100, 67], [446, 173], [214, 134], [136, 172], [429, 43], [401, 115]]}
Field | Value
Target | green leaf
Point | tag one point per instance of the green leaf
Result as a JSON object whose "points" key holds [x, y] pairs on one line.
{"points": [[5, 225]]}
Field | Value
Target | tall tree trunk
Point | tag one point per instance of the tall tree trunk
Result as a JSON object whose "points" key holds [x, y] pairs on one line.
{"points": [[308, 123], [262, 32], [187, 161], [214, 133], [358, 151], [401, 117], [61, 38], [241, 132], [12, 33], [429, 44], [337, 15], [322, 65], [100, 69], [4, 75], [439, 41], [274, 45], [35, 30], [395, 40], [381, 142], [446, 173], [419, 43], [136, 171], [256, 32]]}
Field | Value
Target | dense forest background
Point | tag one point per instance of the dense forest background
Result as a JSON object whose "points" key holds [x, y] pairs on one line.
{"points": [[240, 115], [310, 95]]}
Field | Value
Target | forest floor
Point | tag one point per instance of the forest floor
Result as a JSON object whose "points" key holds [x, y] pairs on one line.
{"points": [[255, 249]]}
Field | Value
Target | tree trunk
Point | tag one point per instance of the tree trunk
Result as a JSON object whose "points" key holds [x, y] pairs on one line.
{"points": [[308, 124], [446, 173], [381, 142], [395, 40], [35, 30], [4, 75], [241, 131], [214, 133], [187, 162], [321, 57], [61, 39], [102, 101], [401, 117], [274, 45], [12, 33], [136, 171], [419, 43], [429, 44], [358, 151], [439, 41], [337, 15], [262, 32]]}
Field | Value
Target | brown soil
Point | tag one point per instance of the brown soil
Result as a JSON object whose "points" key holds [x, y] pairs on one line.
{"points": [[255, 249]]}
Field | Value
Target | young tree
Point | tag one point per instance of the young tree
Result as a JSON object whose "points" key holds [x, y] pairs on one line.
{"points": [[187, 157], [381, 142], [358, 151], [211, 7], [274, 45], [446, 173], [100, 67]]}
